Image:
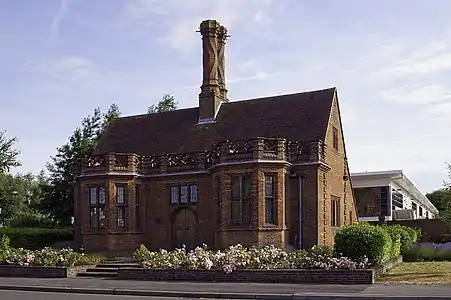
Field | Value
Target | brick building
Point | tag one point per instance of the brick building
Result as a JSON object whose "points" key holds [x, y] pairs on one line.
{"points": [[222, 173]]}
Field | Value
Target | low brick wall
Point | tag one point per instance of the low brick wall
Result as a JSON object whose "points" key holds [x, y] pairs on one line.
{"points": [[260, 276], [335, 276], [40, 272]]}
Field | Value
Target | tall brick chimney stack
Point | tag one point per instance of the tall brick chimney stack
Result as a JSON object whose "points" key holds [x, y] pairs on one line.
{"points": [[213, 90]]}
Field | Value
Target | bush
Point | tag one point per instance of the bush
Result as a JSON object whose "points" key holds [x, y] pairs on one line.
{"points": [[362, 239], [415, 234], [395, 237], [31, 221], [35, 238], [406, 239]]}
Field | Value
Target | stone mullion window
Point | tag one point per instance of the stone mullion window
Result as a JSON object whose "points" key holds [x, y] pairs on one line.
{"points": [[241, 199], [270, 200], [121, 206], [184, 194], [97, 203], [335, 211]]}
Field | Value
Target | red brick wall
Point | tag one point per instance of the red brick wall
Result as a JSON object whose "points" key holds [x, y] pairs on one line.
{"points": [[213, 209], [332, 182]]}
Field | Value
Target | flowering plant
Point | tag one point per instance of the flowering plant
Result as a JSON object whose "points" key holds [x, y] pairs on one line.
{"points": [[46, 257], [238, 257]]}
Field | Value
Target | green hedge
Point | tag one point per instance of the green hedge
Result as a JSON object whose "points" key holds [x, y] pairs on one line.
{"points": [[395, 235], [362, 239], [35, 238]]}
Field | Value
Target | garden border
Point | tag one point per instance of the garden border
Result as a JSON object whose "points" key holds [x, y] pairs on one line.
{"points": [[333, 276], [40, 271]]}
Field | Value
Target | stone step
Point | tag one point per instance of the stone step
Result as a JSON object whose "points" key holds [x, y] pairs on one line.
{"points": [[118, 265], [97, 274], [102, 270]]}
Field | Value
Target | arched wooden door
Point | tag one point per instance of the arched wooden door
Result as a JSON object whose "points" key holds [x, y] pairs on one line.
{"points": [[184, 228]]}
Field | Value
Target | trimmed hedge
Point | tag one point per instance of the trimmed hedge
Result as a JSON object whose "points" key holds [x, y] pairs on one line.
{"points": [[362, 239], [395, 236], [35, 238]]}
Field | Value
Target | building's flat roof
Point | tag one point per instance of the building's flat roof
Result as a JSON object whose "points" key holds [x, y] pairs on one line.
{"points": [[402, 180]]}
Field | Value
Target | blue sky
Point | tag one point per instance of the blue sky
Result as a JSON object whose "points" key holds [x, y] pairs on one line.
{"points": [[391, 62]]}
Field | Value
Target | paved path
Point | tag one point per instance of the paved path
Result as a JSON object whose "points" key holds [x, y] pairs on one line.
{"points": [[19, 295], [225, 290]]}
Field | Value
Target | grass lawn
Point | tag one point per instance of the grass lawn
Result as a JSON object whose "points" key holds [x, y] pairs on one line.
{"points": [[419, 273]]}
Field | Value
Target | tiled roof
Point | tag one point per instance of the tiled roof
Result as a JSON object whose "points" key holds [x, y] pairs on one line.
{"points": [[300, 117]]}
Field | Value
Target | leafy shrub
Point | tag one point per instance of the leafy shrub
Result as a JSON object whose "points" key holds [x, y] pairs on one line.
{"points": [[362, 239], [403, 231], [395, 236], [31, 221], [35, 238], [415, 234]]}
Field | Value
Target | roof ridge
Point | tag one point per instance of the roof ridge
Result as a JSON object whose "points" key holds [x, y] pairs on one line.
{"points": [[331, 89]]}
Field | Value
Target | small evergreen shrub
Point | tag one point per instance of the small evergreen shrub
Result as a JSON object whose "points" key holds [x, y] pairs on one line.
{"points": [[364, 240], [35, 238]]}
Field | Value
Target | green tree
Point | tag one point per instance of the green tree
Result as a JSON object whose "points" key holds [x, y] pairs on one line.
{"points": [[19, 195], [8, 154], [441, 199], [167, 103], [65, 165]]}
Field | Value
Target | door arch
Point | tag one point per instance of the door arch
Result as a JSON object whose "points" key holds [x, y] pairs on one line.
{"points": [[184, 228]]}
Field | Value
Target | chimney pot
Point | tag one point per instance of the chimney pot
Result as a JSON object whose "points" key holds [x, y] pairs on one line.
{"points": [[213, 90]]}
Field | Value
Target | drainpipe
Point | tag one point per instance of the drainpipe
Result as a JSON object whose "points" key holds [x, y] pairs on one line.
{"points": [[302, 177]]}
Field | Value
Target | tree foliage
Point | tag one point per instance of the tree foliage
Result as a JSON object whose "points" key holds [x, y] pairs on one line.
{"points": [[167, 103], [65, 165], [20, 196], [441, 199], [8, 154]]}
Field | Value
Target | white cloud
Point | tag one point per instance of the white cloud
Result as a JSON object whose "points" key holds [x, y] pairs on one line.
{"points": [[73, 69], [417, 94], [181, 18]]}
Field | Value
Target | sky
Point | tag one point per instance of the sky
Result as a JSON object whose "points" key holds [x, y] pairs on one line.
{"points": [[390, 60]]}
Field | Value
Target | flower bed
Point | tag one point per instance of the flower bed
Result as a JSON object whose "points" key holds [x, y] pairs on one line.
{"points": [[238, 258], [428, 252], [240, 264], [47, 262]]}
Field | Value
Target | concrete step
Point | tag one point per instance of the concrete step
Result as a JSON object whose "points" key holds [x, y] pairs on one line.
{"points": [[118, 265], [102, 270], [97, 274]]}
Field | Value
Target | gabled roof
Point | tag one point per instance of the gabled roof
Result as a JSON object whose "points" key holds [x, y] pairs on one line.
{"points": [[300, 117]]}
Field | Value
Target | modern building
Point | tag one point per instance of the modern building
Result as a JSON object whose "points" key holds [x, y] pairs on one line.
{"points": [[261, 171], [392, 194]]}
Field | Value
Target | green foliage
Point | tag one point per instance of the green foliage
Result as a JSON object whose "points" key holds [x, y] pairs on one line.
{"points": [[142, 253], [364, 240], [395, 236], [167, 103], [8, 154], [35, 238], [427, 252], [441, 199], [406, 235], [20, 195], [32, 221], [415, 234], [66, 164]]}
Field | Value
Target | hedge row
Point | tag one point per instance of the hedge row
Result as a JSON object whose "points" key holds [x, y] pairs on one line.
{"points": [[377, 243], [35, 238]]}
